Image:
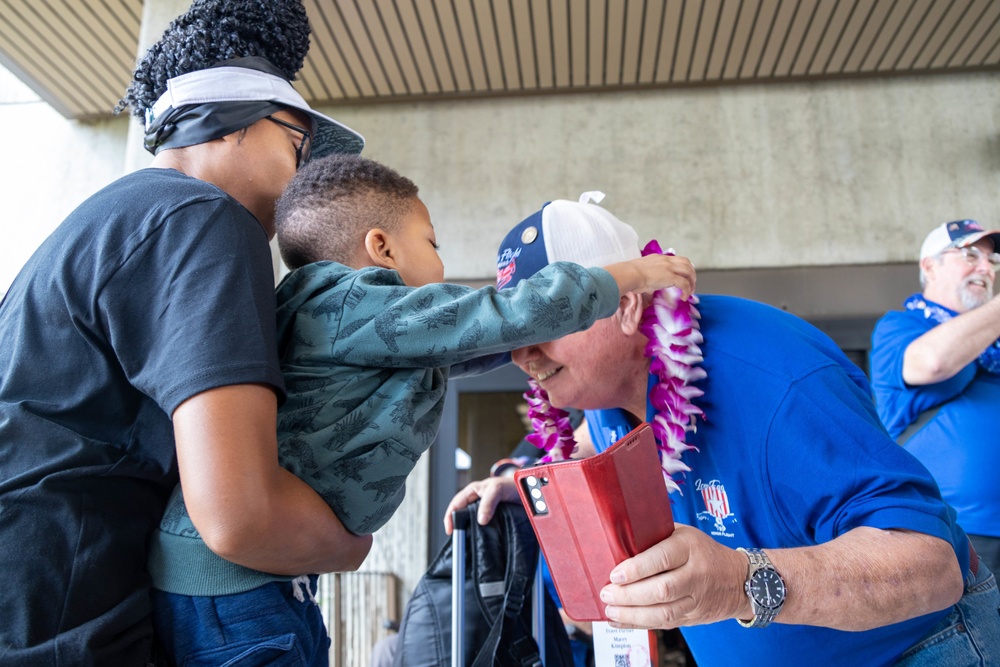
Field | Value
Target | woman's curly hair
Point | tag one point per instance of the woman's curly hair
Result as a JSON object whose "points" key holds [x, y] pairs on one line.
{"points": [[215, 30]]}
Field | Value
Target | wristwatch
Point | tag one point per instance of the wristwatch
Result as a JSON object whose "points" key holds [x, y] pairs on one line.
{"points": [[765, 588]]}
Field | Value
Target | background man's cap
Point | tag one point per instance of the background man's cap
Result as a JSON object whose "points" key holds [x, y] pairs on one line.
{"points": [[957, 234], [243, 84], [569, 231]]}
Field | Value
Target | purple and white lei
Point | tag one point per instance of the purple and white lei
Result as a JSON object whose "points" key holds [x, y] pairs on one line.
{"points": [[671, 325]]}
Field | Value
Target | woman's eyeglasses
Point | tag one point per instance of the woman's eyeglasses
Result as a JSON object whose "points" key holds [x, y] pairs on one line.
{"points": [[302, 150]]}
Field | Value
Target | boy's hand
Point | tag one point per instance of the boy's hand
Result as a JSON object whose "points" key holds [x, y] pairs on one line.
{"points": [[654, 272]]}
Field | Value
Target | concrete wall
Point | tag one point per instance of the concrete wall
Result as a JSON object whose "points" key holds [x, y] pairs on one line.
{"points": [[752, 176]]}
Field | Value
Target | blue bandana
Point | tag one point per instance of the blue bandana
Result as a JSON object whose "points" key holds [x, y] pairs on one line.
{"points": [[989, 360]]}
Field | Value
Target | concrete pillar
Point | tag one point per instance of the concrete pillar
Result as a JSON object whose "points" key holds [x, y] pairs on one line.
{"points": [[156, 16]]}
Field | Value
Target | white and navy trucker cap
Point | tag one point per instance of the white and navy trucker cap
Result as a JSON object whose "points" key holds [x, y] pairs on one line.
{"points": [[565, 231], [957, 234]]}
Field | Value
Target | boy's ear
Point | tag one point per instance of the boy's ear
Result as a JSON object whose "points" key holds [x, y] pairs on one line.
{"points": [[378, 245]]}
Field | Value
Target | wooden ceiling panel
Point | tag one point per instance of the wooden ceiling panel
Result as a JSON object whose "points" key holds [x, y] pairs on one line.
{"points": [[391, 42], [489, 49], [855, 23], [560, 42], [930, 28], [950, 31], [29, 66], [631, 43], [705, 40], [882, 25], [916, 16], [459, 30], [859, 34], [539, 28], [109, 40], [416, 57], [669, 32], [613, 20], [310, 84], [812, 21], [577, 42], [729, 13], [364, 53], [428, 27], [760, 31], [982, 35], [651, 35], [78, 54], [832, 36], [329, 62], [688, 26], [990, 54], [89, 52], [36, 55], [739, 38], [122, 16], [460, 35], [507, 39], [973, 24], [785, 36]]}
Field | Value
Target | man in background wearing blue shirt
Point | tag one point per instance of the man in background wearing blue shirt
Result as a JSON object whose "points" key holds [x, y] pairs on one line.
{"points": [[936, 375]]}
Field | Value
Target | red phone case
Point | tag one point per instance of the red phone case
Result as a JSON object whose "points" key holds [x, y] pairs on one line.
{"points": [[596, 513]]}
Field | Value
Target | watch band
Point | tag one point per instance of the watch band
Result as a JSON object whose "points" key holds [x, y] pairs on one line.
{"points": [[762, 615]]}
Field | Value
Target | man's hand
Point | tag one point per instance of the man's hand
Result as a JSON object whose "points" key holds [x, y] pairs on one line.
{"points": [[490, 492], [654, 272], [687, 579]]}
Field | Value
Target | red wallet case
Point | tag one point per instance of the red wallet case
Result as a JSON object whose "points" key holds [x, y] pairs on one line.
{"points": [[591, 514]]}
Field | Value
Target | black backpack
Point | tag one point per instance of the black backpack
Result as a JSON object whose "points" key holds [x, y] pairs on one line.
{"points": [[501, 560]]}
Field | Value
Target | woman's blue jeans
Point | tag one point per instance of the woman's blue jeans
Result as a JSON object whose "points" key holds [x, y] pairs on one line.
{"points": [[969, 635]]}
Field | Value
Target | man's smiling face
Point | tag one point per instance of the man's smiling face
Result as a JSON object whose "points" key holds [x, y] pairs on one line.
{"points": [[961, 278]]}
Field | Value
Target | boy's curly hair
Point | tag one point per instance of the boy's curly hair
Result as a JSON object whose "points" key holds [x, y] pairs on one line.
{"points": [[333, 202], [215, 30]]}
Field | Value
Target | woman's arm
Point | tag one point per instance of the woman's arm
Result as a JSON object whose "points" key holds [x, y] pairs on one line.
{"points": [[247, 508]]}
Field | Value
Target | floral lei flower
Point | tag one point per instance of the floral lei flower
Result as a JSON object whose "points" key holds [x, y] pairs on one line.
{"points": [[671, 325]]}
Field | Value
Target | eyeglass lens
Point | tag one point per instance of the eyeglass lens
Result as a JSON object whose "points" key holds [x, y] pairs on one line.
{"points": [[974, 255], [302, 151]]}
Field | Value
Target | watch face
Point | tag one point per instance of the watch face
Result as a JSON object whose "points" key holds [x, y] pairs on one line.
{"points": [[767, 588]]}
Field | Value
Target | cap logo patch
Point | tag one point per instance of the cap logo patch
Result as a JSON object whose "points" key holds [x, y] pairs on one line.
{"points": [[507, 265]]}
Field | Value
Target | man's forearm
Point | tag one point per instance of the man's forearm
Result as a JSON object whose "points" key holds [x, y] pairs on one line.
{"points": [[947, 348], [867, 578]]}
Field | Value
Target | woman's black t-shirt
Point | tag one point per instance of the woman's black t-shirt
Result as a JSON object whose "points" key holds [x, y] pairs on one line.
{"points": [[155, 289]]}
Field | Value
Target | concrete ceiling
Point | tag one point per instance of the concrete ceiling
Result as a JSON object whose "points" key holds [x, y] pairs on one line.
{"points": [[78, 54]]}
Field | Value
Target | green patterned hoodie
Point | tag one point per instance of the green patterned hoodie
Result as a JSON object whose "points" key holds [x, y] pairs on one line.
{"points": [[366, 362]]}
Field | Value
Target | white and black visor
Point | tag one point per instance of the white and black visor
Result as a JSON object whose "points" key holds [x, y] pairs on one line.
{"points": [[211, 103]]}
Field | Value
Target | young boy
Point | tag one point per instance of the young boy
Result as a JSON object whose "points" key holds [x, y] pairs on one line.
{"points": [[369, 335]]}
